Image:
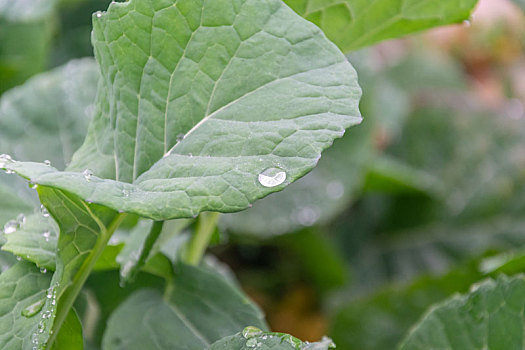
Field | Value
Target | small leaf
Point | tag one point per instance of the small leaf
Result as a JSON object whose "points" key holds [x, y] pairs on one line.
{"points": [[489, 317], [199, 309]]}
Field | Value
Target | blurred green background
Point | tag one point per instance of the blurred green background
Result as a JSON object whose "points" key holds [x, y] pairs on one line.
{"points": [[423, 199]]}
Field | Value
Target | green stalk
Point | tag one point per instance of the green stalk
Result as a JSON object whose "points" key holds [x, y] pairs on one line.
{"points": [[70, 294], [201, 239]]}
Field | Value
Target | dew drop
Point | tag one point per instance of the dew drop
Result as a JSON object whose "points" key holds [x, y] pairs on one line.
{"points": [[43, 270], [467, 23], [88, 173], [33, 309], [250, 332], [46, 235], [21, 218], [33, 186], [272, 177], [44, 211], [9, 172], [47, 162], [18, 258], [98, 14], [5, 159], [10, 227]]}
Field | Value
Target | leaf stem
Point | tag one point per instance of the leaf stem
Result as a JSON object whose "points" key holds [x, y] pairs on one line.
{"points": [[70, 294], [201, 239]]}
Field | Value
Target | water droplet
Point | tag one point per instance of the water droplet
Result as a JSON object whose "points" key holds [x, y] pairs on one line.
{"points": [[98, 14], [43, 211], [18, 258], [46, 235], [43, 270], [88, 173], [10, 227], [33, 309], [9, 172], [21, 218], [50, 293], [180, 137], [250, 332], [125, 193], [251, 343], [272, 177], [47, 162], [292, 340], [467, 23], [33, 186], [5, 159]]}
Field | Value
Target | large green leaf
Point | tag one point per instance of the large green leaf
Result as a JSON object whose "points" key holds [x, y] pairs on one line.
{"points": [[22, 296], [199, 309], [252, 337], [210, 106], [54, 108], [489, 317], [352, 24], [24, 39]]}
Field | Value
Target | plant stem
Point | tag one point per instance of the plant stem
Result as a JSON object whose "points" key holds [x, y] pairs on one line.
{"points": [[201, 239], [70, 294]]}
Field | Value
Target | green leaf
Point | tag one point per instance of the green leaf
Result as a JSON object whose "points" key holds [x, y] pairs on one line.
{"points": [[195, 129], [489, 317], [53, 108], [35, 241], [85, 230], [376, 321], [47, 117], [22, 294], [199, 309], [352, 24], [27, 27], [252, 337], [70, 335], [138, 248]]}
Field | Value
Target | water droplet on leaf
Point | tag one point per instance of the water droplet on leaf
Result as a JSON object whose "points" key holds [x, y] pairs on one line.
{"points": [[47, 162], [43, 270], [43, 211], [250, 332], [272, 177], [21, 218], [46, 235], [88, 173], [5, 159], [10, 227], [33, 309]]}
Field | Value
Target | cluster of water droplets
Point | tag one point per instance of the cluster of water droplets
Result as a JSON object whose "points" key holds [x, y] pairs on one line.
{"points": [[254, 338], [47, 316]]}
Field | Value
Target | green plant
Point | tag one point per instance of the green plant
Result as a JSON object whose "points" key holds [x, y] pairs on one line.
{"points": [[201, 107]]}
